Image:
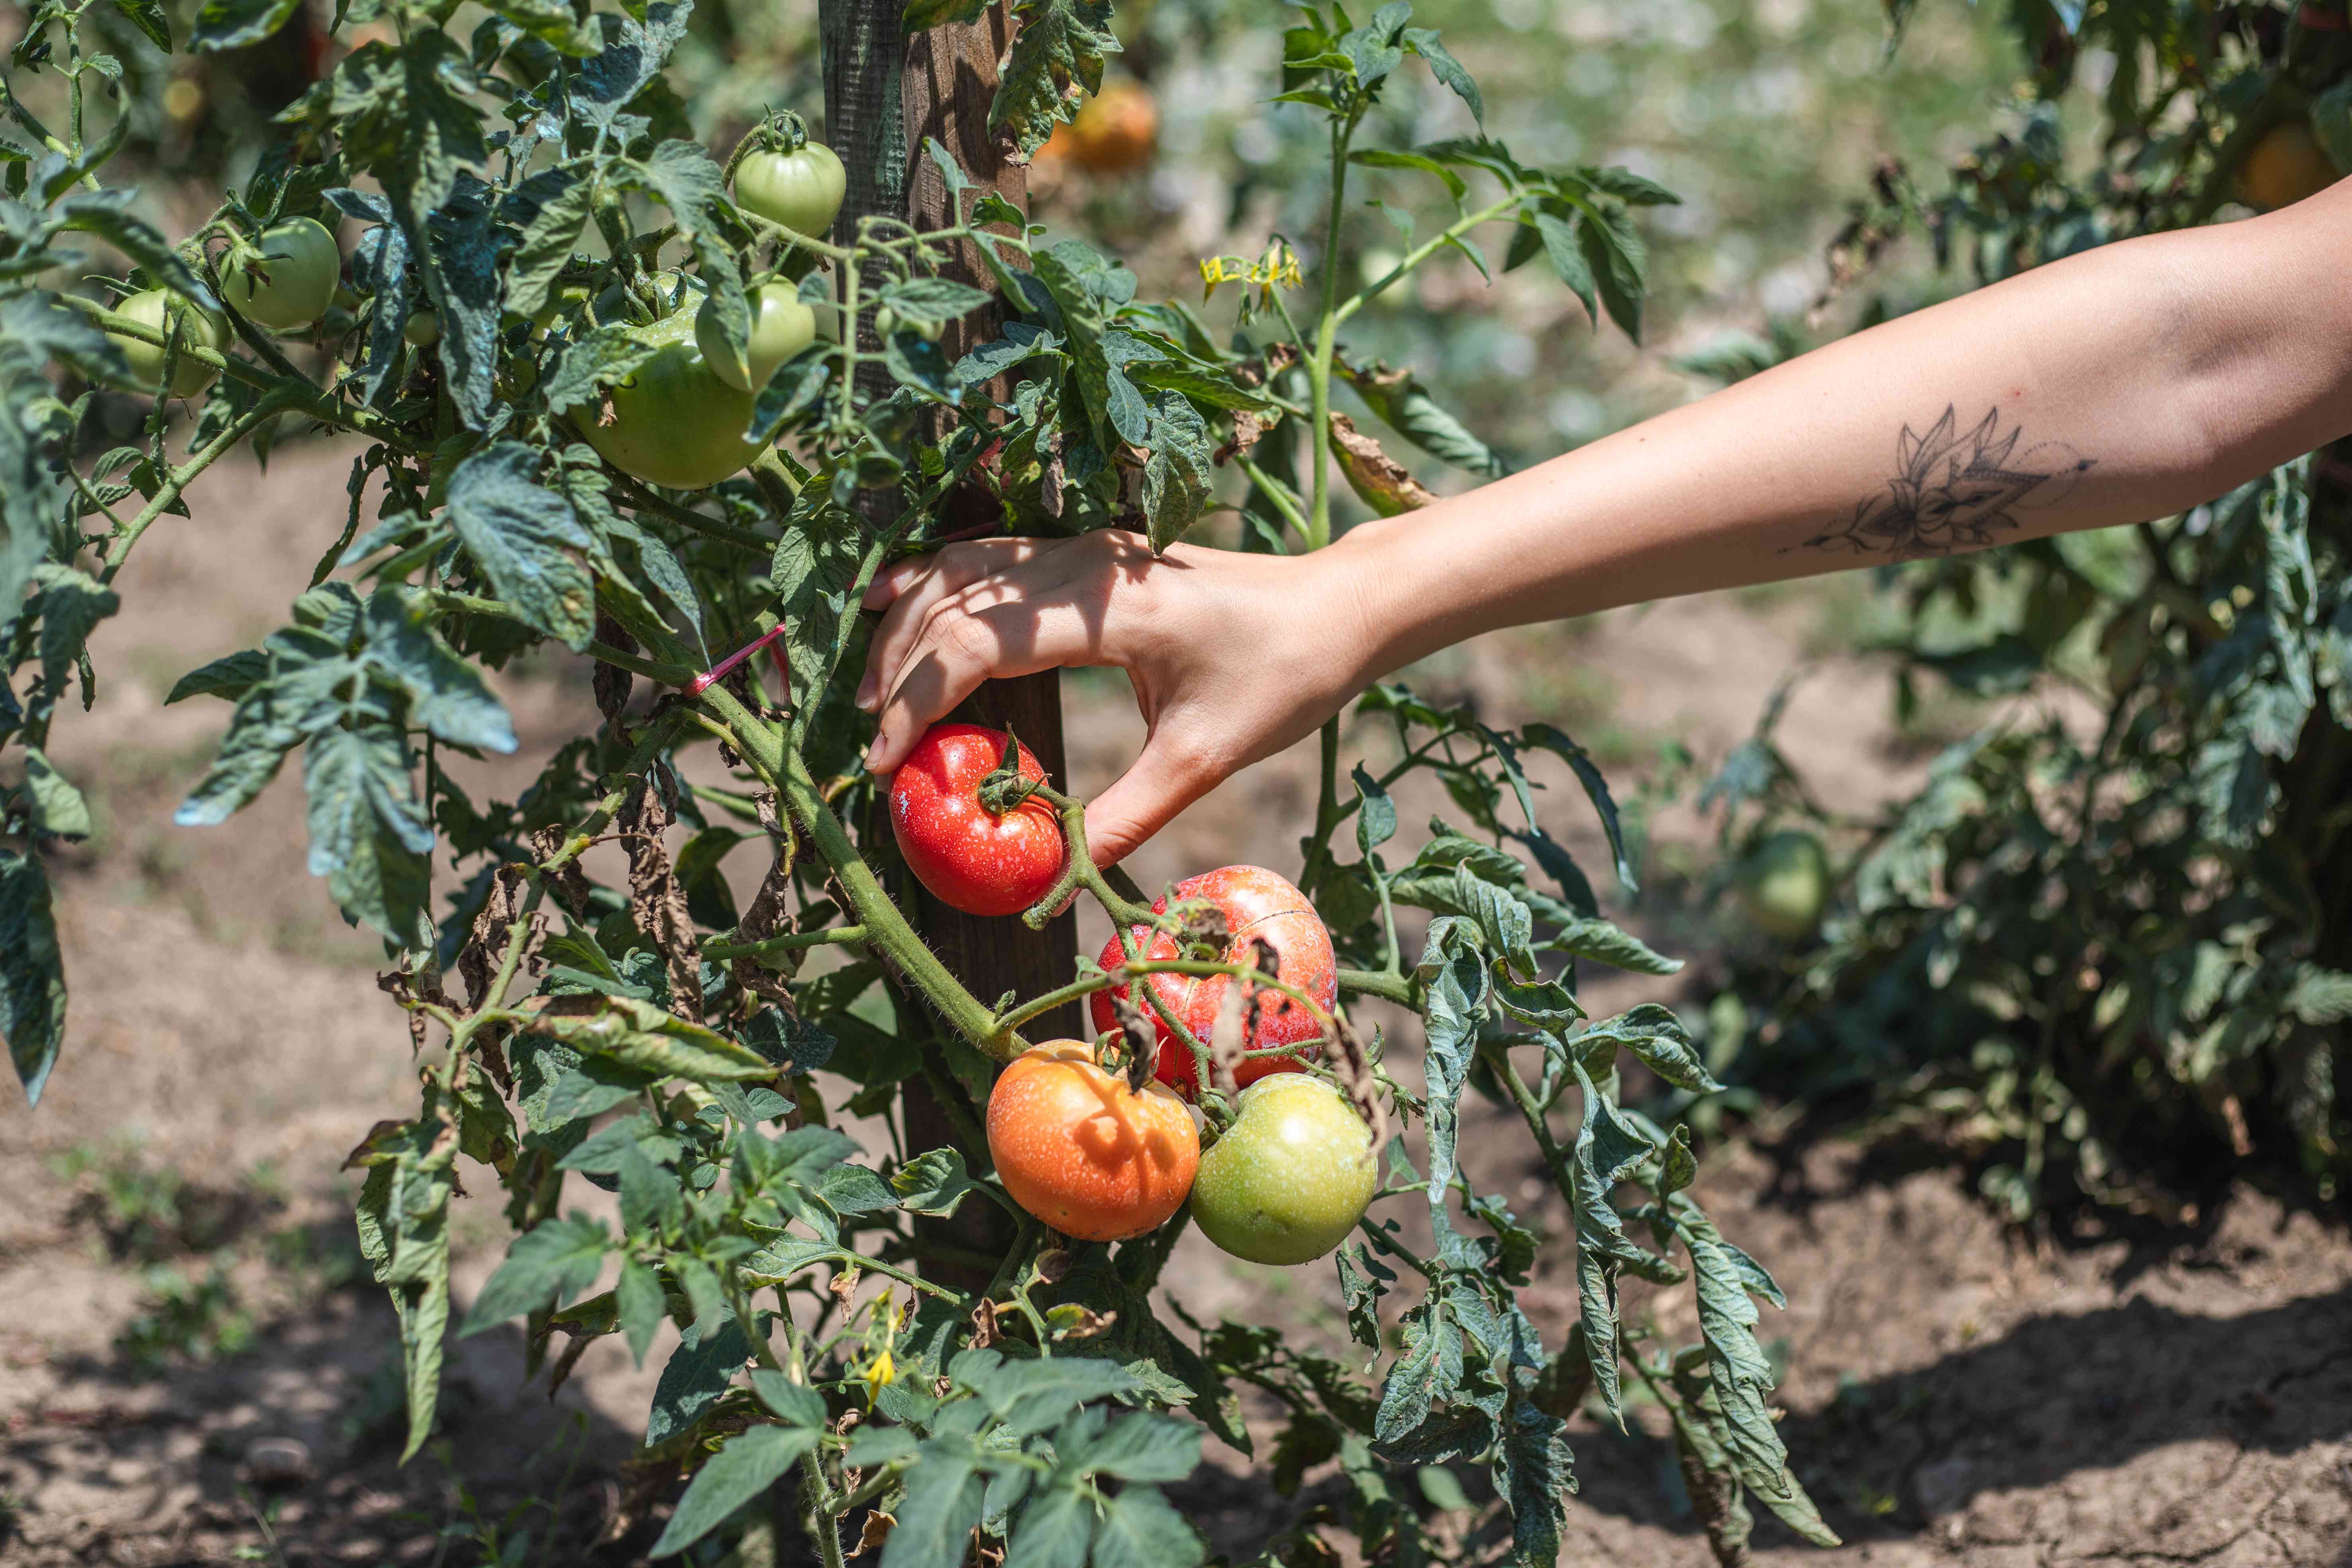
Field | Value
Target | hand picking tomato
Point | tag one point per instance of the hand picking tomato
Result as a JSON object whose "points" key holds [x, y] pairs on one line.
{"points": [[802, 189], [674, 423], [1084, 1153], [285, 278], [196, 328], [1290, 1177], [781, 327], [1257, 903], [969, 858]]}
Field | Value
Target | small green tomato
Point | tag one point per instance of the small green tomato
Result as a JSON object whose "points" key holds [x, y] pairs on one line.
{"points": [[1783, 884], [781, 327], [1291, 1176], [801, 190], [422, 329], [197, 329], [286, 278]]}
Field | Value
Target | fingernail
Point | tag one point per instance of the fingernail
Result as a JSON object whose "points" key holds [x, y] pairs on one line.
{"points": [[872, 752]]}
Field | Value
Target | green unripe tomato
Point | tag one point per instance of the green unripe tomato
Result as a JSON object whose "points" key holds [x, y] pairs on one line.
{"points": [[781, 327], [196, 328], [285, 279], [422, 329], [674, 423], [1290, 1177], [801, 190], [1783, 884]]}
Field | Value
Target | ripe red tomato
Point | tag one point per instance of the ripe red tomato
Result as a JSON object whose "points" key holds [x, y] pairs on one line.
{"points": [[971, 860], [1257, 903], [1084, 1153]]}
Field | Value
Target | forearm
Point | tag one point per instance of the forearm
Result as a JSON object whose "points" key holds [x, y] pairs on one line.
{"points": [[2115, 386]]}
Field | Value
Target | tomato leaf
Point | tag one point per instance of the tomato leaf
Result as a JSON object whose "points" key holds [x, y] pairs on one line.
{"points": [[1056, 55], [32, 974], [545, 1267], [523, 537]]}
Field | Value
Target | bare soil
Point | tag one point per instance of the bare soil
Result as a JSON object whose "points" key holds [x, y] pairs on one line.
{"points": [[1956, 1394]]}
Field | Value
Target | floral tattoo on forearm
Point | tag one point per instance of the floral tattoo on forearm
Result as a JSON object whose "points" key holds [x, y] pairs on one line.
{"points": [[1953, 491]]}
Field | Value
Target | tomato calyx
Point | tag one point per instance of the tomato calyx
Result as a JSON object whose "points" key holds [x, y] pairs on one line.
{"points": [[1005, 789]]}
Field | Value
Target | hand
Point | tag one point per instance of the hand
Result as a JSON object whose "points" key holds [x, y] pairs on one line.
{"points": [[1232, 656]]}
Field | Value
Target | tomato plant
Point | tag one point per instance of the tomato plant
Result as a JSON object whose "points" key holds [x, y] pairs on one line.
{"points": [[970, 857], [1288, 1181], [546, 279], [1084, 1153], [1256, 906], [2111, 953]]}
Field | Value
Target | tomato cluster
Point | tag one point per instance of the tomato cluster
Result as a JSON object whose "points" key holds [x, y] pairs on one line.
{"points": [[1077, 1146]]}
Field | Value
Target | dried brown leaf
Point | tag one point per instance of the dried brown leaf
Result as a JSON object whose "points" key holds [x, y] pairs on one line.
{"points": [[1379, 480], [656, 898]]}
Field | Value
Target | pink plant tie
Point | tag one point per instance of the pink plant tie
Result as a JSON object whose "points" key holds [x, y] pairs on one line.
{"points": [[726, 667]]}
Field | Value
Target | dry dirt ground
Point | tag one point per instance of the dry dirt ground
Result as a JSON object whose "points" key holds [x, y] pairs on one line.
{"points": [[1956, 1394]]}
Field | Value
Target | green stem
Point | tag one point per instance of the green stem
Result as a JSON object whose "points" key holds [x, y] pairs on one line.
{"points": [[1396, 988], [1079, 870], [793, 942], [1202, 968], [1423, 252], [269, 407], [886, 931]]}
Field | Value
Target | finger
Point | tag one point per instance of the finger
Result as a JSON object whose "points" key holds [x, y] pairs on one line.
{"points": [[964, 643], [1162, 781], [925, 584]]}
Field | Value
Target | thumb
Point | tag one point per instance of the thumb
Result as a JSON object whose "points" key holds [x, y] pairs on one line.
{"points": [[1141, 801]]}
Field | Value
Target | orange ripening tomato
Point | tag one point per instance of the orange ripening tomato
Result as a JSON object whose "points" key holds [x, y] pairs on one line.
{"points": [[1084, 1153], [2285, 167], [1257, 904], [1116, 131], [970, 858]]}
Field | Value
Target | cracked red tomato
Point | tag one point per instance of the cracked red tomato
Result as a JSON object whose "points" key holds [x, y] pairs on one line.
{"points": [[1257, 904], [969, 858], [1084, 1153]]}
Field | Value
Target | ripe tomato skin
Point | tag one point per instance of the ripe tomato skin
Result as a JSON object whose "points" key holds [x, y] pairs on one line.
{"points": [[801, 190], [2287, 165], [969, 859], [1116, 131], [781, 327], [285, 276], [1290, 1177], [1085, 1154], [1256, 903], [674, 423], [197, 329]]}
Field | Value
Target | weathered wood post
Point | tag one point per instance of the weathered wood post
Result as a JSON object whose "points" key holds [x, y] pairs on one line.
{"points": [[885, 92]]}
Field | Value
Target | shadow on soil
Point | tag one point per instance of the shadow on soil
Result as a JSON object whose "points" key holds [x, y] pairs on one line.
{"points": [[2058, 1394], [294, 1441]]}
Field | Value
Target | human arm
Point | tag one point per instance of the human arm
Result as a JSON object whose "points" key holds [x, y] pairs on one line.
{"points": [[2114, 386]]}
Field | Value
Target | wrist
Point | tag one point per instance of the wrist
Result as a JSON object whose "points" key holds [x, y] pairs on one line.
{"points": [[1387, 606]]}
